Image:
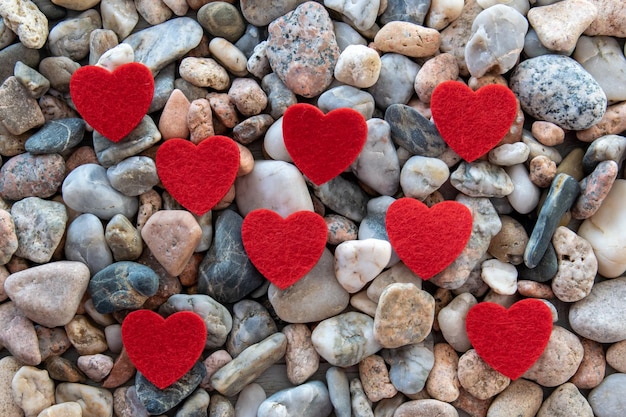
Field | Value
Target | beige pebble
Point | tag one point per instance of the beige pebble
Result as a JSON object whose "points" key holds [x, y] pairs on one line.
{"points": [[592, 369], [361, 302], [248, 96], [521, 399], [66, 409], [616, 356], [358, 66], [399, 273], [441, 68], [246, 161], [301, 357], [578, 266], [559, 361], [534, 289], [149, 203], [153, 11], [229, 56], [471, 405], [25, 19], [200, 120], [212, 363], [542, 171], [547, 133], [224, 109], [565, 401], [173, 121], [510, 242], [375, 378], [33, 390], [85, 337], [425, 408], [204, 72], [407, 39], [572, 164], [442, 383], [443, 12], [612, 123], [478, 378]]}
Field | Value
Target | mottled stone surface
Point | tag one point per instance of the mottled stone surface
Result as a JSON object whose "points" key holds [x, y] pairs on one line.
{"points": [[443, 383], [481, 179], [424, 140], [25, 19], [9, 366], [300, 357], [395, 81], [70, 37], [307, 400], [18, 336], [564, 401], [409, 367], [93, 401], [559, 25], [56, 136], [84, 242], [29, 175], [343, 197], [577, 266], [478, 378]]}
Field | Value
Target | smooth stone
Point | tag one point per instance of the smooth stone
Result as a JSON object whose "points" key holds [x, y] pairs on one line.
{"points": [[481, 179], [133, 176], [415, 133], [252, 362], [56, 136], [362, 14], [510, 242], [451, 319], [120, 16], [18, 335], [395, 81], [488, 49], [251, 37], [315, 46], [358, 66], [39, 226], [605, 148], [454, 37], [33, 390], [565, 401], [576, 101], [343, 197], [562, 194], [212, 364], [222, 20], [398, 273], [346, 35], [500, 276], [159, 401], [301, 358], [204, 72], [258, 64], [11, 54], [9, 366], [88, 190], [123, 239], [249, 400], [196, 404], [274, 185], [421, 176], [615, 356], [229, 56], [509, 154], [442, 380], [605, 24], [103, 42], [347, 96], [592, 369], [441, 68], [538, 149], [572, 164], [542, 171], [413, 11], [408, 39], [577, 266], [122, 286], [95, 402], [85, 243], [252, 128], [70, 37], [307, 400], [525, 195], [314, 297], [173, 120], [36, 84], [423, 408], [361, 406], [9, 244], [28, 22], [357, 262], [607, 399], [373, 224], [248, 96], [251, 324], [409, 367], [344, 340], [339, 391], [163, 87], [226, 273], [559, 25], [85, 336], [29, 175], [278, 95], [63, 370], [478, 378], [257, 12], [96, 367], [522, 398], [67, 409], [162, 44]]}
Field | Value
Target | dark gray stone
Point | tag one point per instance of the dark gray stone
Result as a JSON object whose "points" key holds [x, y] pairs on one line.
{"points": [[122, 285], [279, 97], [414, 132], [50, 10], [163, 87], [251, 38], [139, 139], [226, 273], [343, 197], [251, 324], [562, 194], [545, 270], [252, 128], [56, 136], [13, 53], [413, 11], [609, 147], [159, 401]]}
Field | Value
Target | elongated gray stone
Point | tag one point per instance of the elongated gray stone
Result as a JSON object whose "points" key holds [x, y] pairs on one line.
{"points": [[562, 194], [344, 197], [56, 136], [339, 391], [141, 138], [85, 243], [414, 132]]}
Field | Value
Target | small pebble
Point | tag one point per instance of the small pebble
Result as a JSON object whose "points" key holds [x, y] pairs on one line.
{"points": [[542, 171], [358, 66], [478, 378], [251, 324], [509, 154], [84, 242], [96, 402], [500, 276], [592, 369], [421, 176], [482, 179], [33, 390], [565, 401], [300, 357], [607, 399], [409, 367], [442, 383], [96, 367], [522, 398], [204, 72], [357, 262], [451, 320], [424, 408], [249, 400], [408, 39]]}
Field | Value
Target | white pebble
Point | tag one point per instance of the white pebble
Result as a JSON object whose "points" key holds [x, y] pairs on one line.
{"points": [[443, 12], [357, 262], [229, 56], [116, 56], [451, 320], [420, 176], [525, 195], [274, 142], [500, 276], [249, 400], [358, 66], [509, 154]]}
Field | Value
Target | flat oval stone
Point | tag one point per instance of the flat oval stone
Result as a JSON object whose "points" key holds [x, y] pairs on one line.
{"points": [[607, 399], [395, 80], [413, 132], [344, 340], [18, 335], [223, 20], [123, 239], [93, 400], [56, 136], [421, 176], [251, 324], [122, 286], [343, 197], [70, 37], [347, 96], [310, 399], [575, 100], [409, 367], [133, 176], [29, 175], [565, 401], [88, 190], [85, 243]]}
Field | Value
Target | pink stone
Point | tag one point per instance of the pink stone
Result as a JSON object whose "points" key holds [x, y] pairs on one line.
{"points": [[173, 121]]}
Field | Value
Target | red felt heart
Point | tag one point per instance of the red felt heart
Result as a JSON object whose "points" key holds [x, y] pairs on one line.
{"points": [[113, 103], [284, 250], [323, 146], [472, 123], [198, 176], [163, 350], [428, 239], [512, 340]]}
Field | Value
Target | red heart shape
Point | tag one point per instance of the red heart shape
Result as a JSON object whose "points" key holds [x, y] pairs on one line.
{"points": [[163, 350], [323, 146], [512, 340], [472, 123], [284, 250], [198, 176], [113, 103], [428, 239]]}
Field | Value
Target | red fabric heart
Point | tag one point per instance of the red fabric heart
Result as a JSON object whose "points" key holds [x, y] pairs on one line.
{"points": [[284, 250], [323, 146], [163, 350], [512, 340], [428, 239], [113, 103], [472, 123], [198, 177]]}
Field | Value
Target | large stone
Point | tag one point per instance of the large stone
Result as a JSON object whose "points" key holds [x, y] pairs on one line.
{"points": [[84, 242], [19, 112], [29, 175], [307, 400], [26, 20]]}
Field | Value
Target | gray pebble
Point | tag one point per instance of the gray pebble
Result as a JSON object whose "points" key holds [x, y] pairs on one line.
{"points": [[413, 132], [58, 70], [544, 271], [252, 128], [339, 391], [163, 87], [141, 138], [260, 13], [344, 197], [56, 136], [481, 179], [11, 54], [609, 398], [278, 95], [222, 20], [361, 405], [413, 11], [347, 36], [395, 82], [347, 96], [251, 324], [31, 79], [123, 239], [307, 400], [609, 147], [196, 405], [70, 37], [409, 367], [252, 36], [85, 243], [133, 176]]}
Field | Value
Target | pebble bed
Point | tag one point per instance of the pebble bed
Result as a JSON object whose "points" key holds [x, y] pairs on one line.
{"points": [[88, 234]]}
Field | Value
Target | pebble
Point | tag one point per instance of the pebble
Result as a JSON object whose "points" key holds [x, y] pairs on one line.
{"points": [[158, 401], [70, 37], [257, 13], [248, 96], [534, 289], [25, 19], [229, 56], [510, 242], [595, 188], [559, 361], [226, 273], [95, 402], [84, 242], [357, 262], [196, 404], [249, 400], [361, 405], [413, 132], [408, 39], [601, 231], [172, 123], [39, 226], [251, 324], [58, 70], [454, 37], [442, 383], [424, 408], [347, 96], [18, 335], [96, 367], [204, 72], [409, 367], [496, 41], [547, 133], [64, 370], [576, 101], [9, 366], [605, 148], [315, 46], [559, 25], [346, 35], [315, 297], [29, 175], [564, 401], [220, 407], [358, 66], [542, 171], [361, 14], [563, 192], [451, 319], [36, 84], [33, 390], [279, 96], [395, 81], [231, 378], [607, 399], [339, 391], [404, 315], [10, 243], [141, 138], [398, 273], [577, 266], [343, 197], [223, 20], [67, 409], [522, 398], [123, 239], [592, 369], [481, 179], [537, 149], [345, 339], [500, 276], [122, 285], [212, 364], [118, 16], [56, 136], [133, 176], [611, 123], [11, 54], [375, 379], [310, 399], [525, 195], [441, 68], [300, 357], [84, 336], [421, 176], [88, 190], [478, 378]]}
